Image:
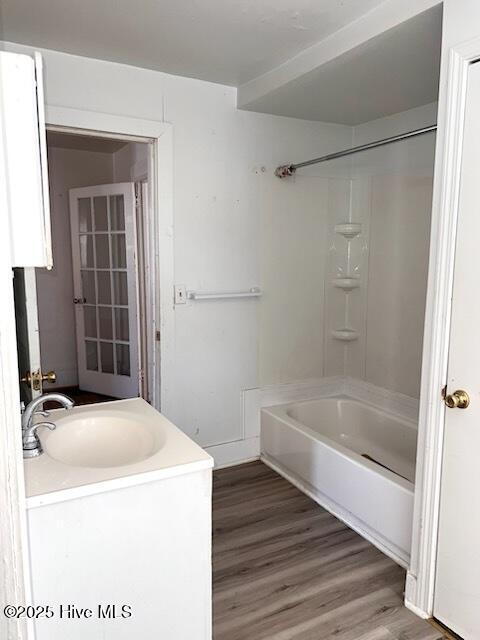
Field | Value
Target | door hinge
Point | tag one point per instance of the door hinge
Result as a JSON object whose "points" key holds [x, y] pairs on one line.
{"points": [[157, 336], [138, 191]]}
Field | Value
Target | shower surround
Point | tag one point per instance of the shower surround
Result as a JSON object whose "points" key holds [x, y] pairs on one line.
{"points": [[345, 273]]}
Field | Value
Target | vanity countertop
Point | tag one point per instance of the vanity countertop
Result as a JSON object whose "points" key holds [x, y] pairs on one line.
{"points": [[55, 479]]}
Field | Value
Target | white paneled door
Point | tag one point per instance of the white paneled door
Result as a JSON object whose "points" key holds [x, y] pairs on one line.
{"points": [[105, 288], [457, 584]]}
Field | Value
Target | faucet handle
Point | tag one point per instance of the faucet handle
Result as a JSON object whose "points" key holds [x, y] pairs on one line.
{"points": [[33, 429], [31, 444]]}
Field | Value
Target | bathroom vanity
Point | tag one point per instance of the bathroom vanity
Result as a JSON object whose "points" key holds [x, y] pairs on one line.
{"points": [[119, 523]]}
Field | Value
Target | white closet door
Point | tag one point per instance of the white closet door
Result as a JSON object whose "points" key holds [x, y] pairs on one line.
{"points": [[457, 585], [105, 288]]}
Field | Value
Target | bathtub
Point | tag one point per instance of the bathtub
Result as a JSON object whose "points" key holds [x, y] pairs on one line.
{"points": [[354, 459]]}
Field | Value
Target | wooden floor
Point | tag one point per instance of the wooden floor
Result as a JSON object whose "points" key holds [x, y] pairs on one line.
{"points": [[284, 569], [79, 396]]}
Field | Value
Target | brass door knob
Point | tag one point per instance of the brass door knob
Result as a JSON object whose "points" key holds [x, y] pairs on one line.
{"points": [[457, 400], [35, 378]]}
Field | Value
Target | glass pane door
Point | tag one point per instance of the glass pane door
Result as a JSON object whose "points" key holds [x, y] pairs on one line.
{"points": [[105, 240]]}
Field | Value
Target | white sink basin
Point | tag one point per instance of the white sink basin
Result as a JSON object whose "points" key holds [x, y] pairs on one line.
{"points": [[100, 438], [120, 443]]}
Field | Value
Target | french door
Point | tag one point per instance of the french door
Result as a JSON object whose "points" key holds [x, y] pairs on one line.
{"points": [[105, 288]]}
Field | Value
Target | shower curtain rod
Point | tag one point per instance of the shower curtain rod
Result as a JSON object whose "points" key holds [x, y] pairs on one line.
{"points": [[287, 170]]}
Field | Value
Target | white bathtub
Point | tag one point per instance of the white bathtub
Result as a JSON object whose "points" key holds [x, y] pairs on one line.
{"points": [[354, 459]]}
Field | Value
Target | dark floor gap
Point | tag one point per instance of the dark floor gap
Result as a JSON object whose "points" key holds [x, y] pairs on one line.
{"points": [[79, 396]]}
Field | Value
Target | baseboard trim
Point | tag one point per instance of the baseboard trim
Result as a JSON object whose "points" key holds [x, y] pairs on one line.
{"points": [[411, 596], [233, 453], [419, 612]]}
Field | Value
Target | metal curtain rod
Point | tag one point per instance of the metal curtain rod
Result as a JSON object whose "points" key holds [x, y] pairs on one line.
{"points": [[289, 169]]}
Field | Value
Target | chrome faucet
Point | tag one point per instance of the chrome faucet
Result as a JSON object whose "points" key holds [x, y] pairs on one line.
{"points": [[31, 444]]}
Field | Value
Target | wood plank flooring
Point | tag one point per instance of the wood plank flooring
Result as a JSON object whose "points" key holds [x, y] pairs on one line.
{"points": [[285, 569], [79, 396]]}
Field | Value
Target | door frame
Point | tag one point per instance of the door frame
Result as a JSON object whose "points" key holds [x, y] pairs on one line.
{"points": [[14, 570], [419, 591], [159, 307]]}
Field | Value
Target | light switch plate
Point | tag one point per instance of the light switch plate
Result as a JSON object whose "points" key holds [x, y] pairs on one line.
{"points": [[180, 294]]}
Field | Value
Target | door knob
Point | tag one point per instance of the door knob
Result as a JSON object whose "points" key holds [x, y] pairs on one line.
{"points": [[457, 400], [36, 377]]}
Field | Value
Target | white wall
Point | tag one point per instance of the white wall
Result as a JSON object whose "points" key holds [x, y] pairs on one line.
{"points": [[397, 124], [68, 169], [236, 226], [229, 214], [460, 19], [220, 192]]}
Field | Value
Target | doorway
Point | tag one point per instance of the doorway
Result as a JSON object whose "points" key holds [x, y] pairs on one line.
{"points": [[89, 310]]}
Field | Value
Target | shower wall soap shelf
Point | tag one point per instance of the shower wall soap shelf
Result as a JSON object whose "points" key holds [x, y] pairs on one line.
{"points": [[345, 335], [347, 284], [348, 230]]}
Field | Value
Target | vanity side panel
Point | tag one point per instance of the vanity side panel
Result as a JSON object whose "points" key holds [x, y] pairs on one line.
{"points": [[146, 546]]}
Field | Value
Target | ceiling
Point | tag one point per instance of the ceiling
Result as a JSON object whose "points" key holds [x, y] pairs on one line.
{"points": [[392, 72], [83, 143], [216, 40]]}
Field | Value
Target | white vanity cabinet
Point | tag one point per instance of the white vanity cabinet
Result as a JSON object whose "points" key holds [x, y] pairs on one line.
{"points": [[128, 556], [26, 171]]}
